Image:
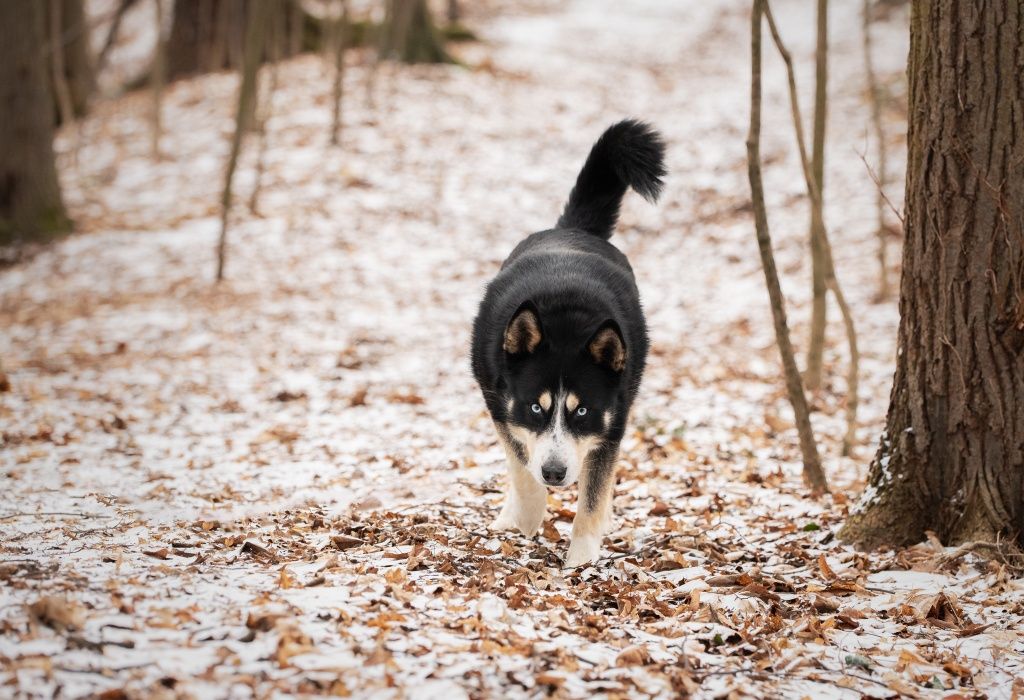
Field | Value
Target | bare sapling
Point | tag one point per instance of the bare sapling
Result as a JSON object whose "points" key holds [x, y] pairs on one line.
{"points": [[819, 287], [875, 100], [112, 34], [339, 39], [814, 475], [831, 281], [157, 77], [274, 43], [61, 89], [255, 34]]}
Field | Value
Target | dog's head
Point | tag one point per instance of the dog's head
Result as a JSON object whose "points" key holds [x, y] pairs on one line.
{"points": [[562, 395]]}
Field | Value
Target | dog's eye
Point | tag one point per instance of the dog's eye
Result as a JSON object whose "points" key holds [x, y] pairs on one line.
{"points": [[581, 411], [536, 408]]}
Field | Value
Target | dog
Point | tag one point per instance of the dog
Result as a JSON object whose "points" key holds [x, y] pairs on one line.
{"points": [[560, 343]]}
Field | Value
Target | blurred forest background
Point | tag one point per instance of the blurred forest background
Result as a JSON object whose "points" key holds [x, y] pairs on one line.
{"points": [[242, 242]]}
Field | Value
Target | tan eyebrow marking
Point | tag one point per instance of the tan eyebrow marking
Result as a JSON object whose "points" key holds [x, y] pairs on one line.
{"points": [[572, 401], [545, 400]]}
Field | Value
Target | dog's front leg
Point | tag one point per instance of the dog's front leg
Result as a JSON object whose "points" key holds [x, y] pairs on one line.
{"points": [[593, 510], [525, 499]]}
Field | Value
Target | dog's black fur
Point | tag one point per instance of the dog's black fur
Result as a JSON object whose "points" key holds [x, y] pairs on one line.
{"points": [[576, 291]]}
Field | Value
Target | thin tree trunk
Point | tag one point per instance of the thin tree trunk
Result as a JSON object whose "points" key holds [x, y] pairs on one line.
{"points": [[30, 201], [62, 93], [875, 98], [410, 34], [276, 42], [255, 34], [207, 35], [951, 459], [268, 103], [831, 281], [819, 285], [814, 476], [69, 54], [157, 76], [112, 33], [295, 27], [340, 40]]}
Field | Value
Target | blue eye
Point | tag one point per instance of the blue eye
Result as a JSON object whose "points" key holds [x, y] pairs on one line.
{"points": [[581, 411], [536, 408]]}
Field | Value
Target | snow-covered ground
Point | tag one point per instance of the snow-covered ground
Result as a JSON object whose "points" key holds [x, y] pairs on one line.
{"points": [[282, 483]]}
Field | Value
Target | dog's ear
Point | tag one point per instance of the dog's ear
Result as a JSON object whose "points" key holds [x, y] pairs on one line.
{"points": [[523, 332], [607, 348]]}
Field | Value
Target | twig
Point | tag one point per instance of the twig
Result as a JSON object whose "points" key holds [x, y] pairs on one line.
{"points": [[1006, 554], [874, 178], [660, 542], [11, 516]]}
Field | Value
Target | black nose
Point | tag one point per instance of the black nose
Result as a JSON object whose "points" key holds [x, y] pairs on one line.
{"points": [[553, 472]]}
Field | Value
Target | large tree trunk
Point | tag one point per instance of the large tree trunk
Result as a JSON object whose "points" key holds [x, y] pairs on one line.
{"points": [[30, 203], [952, 456]]}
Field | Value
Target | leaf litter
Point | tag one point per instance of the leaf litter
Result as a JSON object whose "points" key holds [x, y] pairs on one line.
{"points": [[283, 484]]}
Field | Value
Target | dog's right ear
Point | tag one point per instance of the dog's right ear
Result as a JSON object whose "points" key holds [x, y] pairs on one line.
{"points": [[523, 332]]}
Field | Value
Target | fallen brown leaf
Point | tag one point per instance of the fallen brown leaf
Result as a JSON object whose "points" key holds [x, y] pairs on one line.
{"points": [[58, 613]]}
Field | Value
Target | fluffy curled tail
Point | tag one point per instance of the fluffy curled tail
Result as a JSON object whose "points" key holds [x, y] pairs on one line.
{"points": [[628, 154]]}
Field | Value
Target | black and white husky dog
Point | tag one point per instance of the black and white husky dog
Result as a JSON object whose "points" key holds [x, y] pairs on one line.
{"points": [[560, 342]]}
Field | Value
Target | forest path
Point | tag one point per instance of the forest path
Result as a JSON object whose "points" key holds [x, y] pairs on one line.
{"points": [[318, 404]]}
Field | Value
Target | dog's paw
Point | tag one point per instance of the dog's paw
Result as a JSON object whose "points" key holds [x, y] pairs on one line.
{"points": [[503, 522], [506, 521], [583, 550]]}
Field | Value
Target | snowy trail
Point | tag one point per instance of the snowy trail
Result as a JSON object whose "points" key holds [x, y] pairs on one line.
{"points": [[283, 484]]}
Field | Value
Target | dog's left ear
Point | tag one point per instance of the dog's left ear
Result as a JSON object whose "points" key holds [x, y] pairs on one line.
{"points": [[607, 348]]}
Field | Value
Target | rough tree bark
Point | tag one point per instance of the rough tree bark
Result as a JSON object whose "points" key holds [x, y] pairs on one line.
{"points": [[813, 474], [30, 202], [816, 346], [951, 459]]}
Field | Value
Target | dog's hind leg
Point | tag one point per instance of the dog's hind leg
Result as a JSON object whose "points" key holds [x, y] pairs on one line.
{"points": [[525, 498], [594, 509]]}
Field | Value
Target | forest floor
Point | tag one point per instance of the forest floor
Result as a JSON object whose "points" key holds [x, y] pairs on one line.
{"points": [[283, 483]]}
